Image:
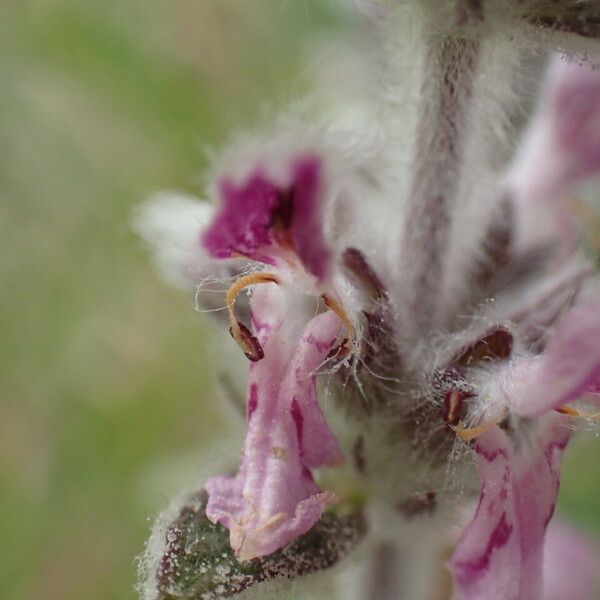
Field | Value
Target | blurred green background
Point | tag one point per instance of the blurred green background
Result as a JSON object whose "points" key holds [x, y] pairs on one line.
{"points": [[107, 385]]}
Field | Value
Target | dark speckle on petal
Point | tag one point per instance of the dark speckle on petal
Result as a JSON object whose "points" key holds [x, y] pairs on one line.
{"points": [[252, 399]]}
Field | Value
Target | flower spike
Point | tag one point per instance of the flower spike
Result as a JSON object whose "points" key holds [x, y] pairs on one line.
{"points": [[466, 319]]}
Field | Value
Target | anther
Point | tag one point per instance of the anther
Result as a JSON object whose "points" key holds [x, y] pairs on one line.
{"points": [[572, 412], [466, 434], [247, 342], [348, 343], [453, 400], [239, 332]]}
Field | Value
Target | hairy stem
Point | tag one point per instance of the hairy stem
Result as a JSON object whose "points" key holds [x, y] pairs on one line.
{"points": [[383, 583], [446, 92]]}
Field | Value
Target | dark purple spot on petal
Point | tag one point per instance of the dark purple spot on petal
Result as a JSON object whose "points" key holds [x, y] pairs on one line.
{"points": [[252, 400], [282, 216], [299, 423], [243, 221], [306, 226]]}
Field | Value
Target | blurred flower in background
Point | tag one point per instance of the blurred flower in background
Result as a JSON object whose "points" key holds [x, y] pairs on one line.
{"points": [[112, 387]]}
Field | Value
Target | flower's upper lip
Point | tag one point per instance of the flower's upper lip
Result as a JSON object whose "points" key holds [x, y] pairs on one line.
{"points": [[263, 220]]}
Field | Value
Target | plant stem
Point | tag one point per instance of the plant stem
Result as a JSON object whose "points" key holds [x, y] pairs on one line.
{"points": [[450, 65]]}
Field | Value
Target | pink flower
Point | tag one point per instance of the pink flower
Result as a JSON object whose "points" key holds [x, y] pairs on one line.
{"points": [[568, 368], [500, 554], [279, 223]]}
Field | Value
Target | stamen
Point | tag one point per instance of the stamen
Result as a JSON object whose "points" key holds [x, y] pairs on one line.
{"points": [[453, 400], [572, 412], [466, 434], [240, 333], [348, 343], [569, 411], [250, 344]]}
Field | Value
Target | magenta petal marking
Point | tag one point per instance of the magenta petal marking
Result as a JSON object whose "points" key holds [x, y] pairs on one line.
{"points": [[497, 540], [499, 556], [569, 366], [252, 400], [306, 225], [242, 223], [299, 423], [273, 498], [253, 216]]}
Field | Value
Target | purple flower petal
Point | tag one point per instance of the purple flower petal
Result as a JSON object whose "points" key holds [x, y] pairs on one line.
{"points": [[570, 564], [305, 219], [563, 145], [263, 219], [273, 498], [499, 556], [569, 366]]}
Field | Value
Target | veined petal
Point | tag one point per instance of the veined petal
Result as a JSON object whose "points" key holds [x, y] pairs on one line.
{"points": [[266, 219], [570, 564], [273, 498], [569, 366], [499, 556]]}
